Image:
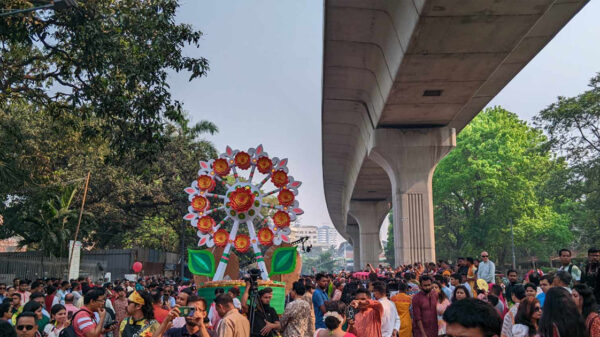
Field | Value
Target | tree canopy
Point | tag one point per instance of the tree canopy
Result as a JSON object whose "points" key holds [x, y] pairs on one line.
{"points": [[496, 175], [86, 90], [573, 128]]}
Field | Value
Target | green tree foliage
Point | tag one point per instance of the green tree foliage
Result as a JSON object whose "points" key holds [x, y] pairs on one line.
{"points": [[573, 128], [153, 233], [496, 174], [389, 245], [85, 90], [48, 155], [324, 261], [104, 60]]}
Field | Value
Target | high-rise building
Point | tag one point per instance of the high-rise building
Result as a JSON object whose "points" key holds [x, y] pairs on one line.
{"points": [[300, 231], [327, 235]]}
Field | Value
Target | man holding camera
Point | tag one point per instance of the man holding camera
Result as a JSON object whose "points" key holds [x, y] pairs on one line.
{"points": [[365, 315], [266, 321], [194, 314]]}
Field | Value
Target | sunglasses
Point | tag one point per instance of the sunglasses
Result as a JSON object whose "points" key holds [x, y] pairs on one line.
{"points": [[484, 256], [25, 327], [536, 309]]}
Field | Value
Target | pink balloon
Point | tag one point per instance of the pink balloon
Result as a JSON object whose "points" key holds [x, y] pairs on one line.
{"points": [[137, 267]]}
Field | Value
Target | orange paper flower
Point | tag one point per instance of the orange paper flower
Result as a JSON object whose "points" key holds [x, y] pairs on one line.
{"points": [[242, 243], [242, 160], [241, 199], [279, 178], [205, 224], [221, 167], [285, 197], [221, 237], [265, 236], [200, 203], [264, 164], [281, 219], [206, 183]]}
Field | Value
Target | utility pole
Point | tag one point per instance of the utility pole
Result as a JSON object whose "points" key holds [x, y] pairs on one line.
{"points": [[85, 190], [512, 238], [182, 249]]}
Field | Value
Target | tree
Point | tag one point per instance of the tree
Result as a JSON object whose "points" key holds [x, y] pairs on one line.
{"points": [[389, 246], [104, 60], [573, 128], [493, 176], [153, 233], [48, 153]]}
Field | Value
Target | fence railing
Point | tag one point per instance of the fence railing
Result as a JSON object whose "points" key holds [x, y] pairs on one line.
{"points": [[32, 265]]}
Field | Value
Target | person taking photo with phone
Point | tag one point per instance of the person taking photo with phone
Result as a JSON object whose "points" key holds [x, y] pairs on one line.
{"points": [[194, 314]]}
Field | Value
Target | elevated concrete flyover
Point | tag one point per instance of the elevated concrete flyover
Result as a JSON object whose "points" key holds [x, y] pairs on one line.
{"points": [[400, 79]]}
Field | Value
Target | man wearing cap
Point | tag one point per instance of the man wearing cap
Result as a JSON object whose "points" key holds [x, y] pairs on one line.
{"points": [[487, 269], [141, 316]]}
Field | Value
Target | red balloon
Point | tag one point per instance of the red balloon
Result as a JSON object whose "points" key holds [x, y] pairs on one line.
{"points": [[137, 267]]}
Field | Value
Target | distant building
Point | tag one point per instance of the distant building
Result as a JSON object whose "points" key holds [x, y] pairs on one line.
{"points": [[11, 245], [310, 231], [327, 235]]}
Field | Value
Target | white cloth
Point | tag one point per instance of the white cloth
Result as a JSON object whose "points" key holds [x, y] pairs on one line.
{"points": [[390, 320], [55, 301], [237, 303], [509, 321], [61, 296], [520, 330]]}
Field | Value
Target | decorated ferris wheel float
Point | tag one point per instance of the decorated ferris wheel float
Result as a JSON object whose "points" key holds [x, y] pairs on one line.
{"points": [[244, 217]]}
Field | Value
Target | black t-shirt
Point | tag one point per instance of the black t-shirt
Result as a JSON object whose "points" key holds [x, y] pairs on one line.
{"points": [[269, 314]]}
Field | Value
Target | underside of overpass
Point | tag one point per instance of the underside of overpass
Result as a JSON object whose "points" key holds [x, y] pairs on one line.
{"points": [[400, 80]]}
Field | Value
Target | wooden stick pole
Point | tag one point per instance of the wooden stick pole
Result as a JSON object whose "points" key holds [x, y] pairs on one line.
{"points": [[87, 180]]}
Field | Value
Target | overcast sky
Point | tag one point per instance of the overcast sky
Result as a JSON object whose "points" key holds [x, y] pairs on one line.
{"points": [[264, 86]]}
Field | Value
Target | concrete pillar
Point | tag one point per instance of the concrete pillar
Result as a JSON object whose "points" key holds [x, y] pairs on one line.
{"points": [[354, 240], [409, 157], [370, 216]]}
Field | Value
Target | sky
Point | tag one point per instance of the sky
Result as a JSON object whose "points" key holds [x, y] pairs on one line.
{"points": [[264, 83]]}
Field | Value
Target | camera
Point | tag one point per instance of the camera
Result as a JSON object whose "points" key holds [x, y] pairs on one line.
{"points": [[350, 312], [254, 275]]}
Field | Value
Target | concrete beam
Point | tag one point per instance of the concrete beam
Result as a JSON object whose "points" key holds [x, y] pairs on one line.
{"points": [[370, 215], [409, 157]]}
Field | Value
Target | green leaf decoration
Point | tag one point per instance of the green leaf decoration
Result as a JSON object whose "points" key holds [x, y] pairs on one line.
{"points": [[201, 262], [283, 260]]}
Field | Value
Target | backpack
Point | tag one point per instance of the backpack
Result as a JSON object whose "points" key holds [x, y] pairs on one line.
{"points": [[70, 330]]}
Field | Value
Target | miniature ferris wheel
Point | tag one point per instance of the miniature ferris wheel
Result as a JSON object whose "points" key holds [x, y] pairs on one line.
{"points": [[244, 203]]}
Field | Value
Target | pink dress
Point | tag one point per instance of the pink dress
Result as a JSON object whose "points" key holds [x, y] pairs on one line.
{"points": [[440, 308]]}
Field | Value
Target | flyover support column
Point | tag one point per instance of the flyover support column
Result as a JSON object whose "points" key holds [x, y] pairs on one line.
{"points": [[409, 157], [354, 233], [370, 215]]}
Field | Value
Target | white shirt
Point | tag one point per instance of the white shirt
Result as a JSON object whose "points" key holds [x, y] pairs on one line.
{"points": [[390, 320]]}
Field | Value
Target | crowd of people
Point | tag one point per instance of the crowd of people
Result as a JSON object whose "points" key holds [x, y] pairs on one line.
{"points": [[467, 298]]}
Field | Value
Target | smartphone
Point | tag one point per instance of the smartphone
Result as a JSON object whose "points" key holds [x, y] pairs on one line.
{"points": [[186, 311], [110, 324], [350, 312]]}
